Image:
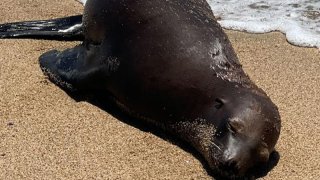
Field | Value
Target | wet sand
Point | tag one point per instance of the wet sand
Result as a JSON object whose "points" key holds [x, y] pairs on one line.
{"points": [[46, 134]]}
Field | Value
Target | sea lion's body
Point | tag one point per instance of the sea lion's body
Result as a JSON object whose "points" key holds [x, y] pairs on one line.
{"points": [[163, 57], [171, 64]]}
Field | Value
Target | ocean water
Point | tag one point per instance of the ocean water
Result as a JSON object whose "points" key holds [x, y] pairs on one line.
{"points": [[299, 20]]}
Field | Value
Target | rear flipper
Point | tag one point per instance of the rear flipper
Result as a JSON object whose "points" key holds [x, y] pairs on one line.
{"points": [[65, 29], [78, 68]]}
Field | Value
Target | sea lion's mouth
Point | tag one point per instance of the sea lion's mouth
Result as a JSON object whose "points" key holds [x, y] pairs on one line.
{"points": [[223, 171], [226, 173], [226, 170]]}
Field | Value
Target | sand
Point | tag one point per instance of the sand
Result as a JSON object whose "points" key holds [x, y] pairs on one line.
{"points": [[45, 134]]}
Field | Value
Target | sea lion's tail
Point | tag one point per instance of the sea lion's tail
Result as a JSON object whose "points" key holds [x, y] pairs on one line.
{"points": [[63, 29]]}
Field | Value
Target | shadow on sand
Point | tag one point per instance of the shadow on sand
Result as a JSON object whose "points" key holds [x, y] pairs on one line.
{"points": [[104, 102]]}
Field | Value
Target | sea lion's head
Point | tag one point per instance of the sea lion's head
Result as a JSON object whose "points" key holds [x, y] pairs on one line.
{"points": [[247, 127]]}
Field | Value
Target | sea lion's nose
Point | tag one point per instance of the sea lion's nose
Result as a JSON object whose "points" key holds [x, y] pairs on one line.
{"points": [[233, 166], [240, 163], [236, 164]]}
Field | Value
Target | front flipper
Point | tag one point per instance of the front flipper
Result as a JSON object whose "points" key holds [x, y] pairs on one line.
{"points": [[79, 68]]}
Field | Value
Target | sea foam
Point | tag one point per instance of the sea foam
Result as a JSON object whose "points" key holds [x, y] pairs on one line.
{"points": [[299, 20]]}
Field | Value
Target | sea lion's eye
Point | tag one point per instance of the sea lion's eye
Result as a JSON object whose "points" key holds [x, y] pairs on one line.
{"points": [[234, 126], [231, 128]]}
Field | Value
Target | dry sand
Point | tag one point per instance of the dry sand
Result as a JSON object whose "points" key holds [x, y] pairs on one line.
{"points": [[45, 134]]}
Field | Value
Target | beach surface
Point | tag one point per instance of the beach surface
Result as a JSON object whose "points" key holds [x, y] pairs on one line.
{"points": [[46, 134]]}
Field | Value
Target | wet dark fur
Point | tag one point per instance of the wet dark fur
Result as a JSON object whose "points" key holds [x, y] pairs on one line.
{"points": [[168, 63]]}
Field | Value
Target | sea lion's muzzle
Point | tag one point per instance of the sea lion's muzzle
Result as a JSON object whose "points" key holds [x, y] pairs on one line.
{"points": [[240, 156]]}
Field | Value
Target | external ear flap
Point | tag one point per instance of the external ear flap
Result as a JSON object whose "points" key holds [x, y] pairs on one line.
{"points": [[218, 103]]}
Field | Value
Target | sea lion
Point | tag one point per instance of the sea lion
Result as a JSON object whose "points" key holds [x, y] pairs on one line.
{"points": [[168, 63]]}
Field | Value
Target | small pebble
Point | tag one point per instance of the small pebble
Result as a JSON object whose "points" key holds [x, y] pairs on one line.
{"points": [[10, 124]]}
